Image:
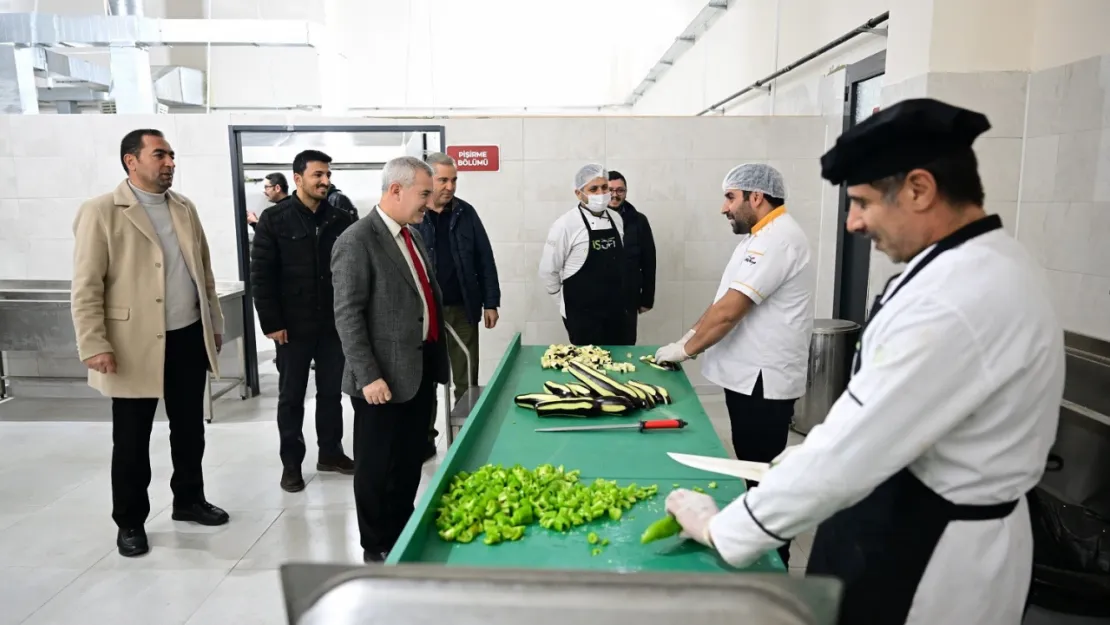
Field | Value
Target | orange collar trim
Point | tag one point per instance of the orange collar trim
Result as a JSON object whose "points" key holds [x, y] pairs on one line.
{"points": [[771, 216]]}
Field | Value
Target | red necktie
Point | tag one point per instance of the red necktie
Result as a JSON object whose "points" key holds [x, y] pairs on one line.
{"points": [[433, 322]]}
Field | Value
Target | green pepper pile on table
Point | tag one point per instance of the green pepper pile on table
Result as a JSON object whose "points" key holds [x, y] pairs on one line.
{"points": [[500, 502]]}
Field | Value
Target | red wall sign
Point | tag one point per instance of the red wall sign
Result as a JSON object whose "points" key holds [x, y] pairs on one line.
{"points": [[476, 157]]}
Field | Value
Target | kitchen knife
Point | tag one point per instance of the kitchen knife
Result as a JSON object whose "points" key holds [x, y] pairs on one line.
{"points": [[643, 426], [736, 468]]}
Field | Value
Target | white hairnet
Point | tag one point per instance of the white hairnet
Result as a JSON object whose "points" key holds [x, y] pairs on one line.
{"points": [[588, 173], [755, 177]]}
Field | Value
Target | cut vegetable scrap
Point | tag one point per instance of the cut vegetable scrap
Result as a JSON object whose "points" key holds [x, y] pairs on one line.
{"points": [[665, 366], [559, 356], [497, 503], [712, 485], [663, 528]]}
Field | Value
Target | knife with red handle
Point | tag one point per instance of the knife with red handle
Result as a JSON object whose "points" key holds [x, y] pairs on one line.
{"points": [[642, 426]]}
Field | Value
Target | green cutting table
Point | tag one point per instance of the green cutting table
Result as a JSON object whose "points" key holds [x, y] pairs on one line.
{"points": [[499, 432]]}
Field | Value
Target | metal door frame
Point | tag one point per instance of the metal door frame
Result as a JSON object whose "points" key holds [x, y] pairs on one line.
{"points": [[852, 264], [238, 182]]}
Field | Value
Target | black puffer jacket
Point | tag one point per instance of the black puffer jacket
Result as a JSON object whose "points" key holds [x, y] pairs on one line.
{"points": [[291, 267]]}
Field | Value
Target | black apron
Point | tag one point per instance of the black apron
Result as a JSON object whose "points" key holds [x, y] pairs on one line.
{"points": [[596, 311], [881, 546]]}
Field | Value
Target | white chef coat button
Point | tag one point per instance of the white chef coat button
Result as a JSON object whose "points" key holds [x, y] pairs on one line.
{"points": [[159, 300], [159, 336], [159, 265]]}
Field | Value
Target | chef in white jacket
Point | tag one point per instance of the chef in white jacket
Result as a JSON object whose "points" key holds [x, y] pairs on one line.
{"points": [[917, 478]]}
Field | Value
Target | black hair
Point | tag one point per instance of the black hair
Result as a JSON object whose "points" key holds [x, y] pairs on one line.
{"points": [[278, 180], [133, 144], [616, 175], [775, 202], [301, 161], [957, 177]]}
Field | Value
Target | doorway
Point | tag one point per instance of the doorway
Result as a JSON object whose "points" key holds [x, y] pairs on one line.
{"points": [[862, 98], [359, 154]]}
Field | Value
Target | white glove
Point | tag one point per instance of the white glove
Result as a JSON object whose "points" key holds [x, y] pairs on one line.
{"points": [[686, 337], [786, 452], [672, 352], [693, 511]]}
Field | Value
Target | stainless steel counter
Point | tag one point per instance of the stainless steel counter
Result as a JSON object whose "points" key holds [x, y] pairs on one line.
{"points": [[419, 594], [35, 317]]}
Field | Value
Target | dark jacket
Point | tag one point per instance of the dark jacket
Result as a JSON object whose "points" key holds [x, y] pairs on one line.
{"points": [[291, 267], [639, 247], [473, 257], [340, 200]]}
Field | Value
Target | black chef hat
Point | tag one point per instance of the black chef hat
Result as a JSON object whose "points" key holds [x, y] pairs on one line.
{"points": [[908, 135]]}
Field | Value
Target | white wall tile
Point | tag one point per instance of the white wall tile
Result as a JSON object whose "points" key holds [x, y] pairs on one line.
{"points": [[539, 216], [508, 257], [998, 95], [1102, 164], [667, 221], [507, 134], [1000, 167], [50, 259], [13, 259], [6, 135], [541, 305], [108, 131], [802, 177], [704, 178], [705, 222], [198, 176], [705, 260], [1038, 173], [1077, 166], [1083, 96], [8, 188], [572, 138], [69, 136], [734, 138], [550, 181], [696, 298], [1008, 211], [658, 330], [202, 135], [1076, 239], [1033, 218], [48, 218], [544, 333], [796, 137], [39, 177], [506, 185], [669, 303], [652, 180], [514, 303], [503, 221], [1082, 302], [1046, 95], [656, 138]]}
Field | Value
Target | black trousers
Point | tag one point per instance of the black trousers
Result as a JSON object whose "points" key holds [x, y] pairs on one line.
{"points": [[588, 330], [185, 371], [293, 362], [760, 428], [390, 441]]}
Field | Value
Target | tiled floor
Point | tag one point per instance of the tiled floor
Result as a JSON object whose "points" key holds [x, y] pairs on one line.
{"points": [[58, 563]]}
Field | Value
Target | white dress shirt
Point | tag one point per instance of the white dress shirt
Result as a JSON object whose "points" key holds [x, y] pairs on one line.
{"points": [[961, 379], [568, 244], [399, 239], [772, 267]]}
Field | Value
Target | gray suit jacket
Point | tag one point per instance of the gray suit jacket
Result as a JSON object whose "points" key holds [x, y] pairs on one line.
{"points": [[379, 314]]}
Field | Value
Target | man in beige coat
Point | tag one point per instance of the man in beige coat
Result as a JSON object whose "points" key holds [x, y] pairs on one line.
{"points": [[149, 327]]}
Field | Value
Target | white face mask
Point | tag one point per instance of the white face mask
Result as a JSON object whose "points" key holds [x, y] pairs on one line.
{"points": [[598, 203]]}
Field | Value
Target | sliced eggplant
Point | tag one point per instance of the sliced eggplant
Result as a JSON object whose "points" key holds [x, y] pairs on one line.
{"points": [[601, 383], [649, 391], [664, 366], [529, 400], [614, 405], [558, 389], [568, 407], [579, 390], [664, 394]]}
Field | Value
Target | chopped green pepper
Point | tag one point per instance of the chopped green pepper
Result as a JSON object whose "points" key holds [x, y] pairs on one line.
{"points": [[596, 551], [663, 528], [699, 489], [712, 485], [592, 538]]}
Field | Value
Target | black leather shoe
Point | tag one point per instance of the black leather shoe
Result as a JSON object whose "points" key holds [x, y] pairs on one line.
{"points": [[132, 542], [291, 480], [369, 557], [336, 464], [202, 513]]}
